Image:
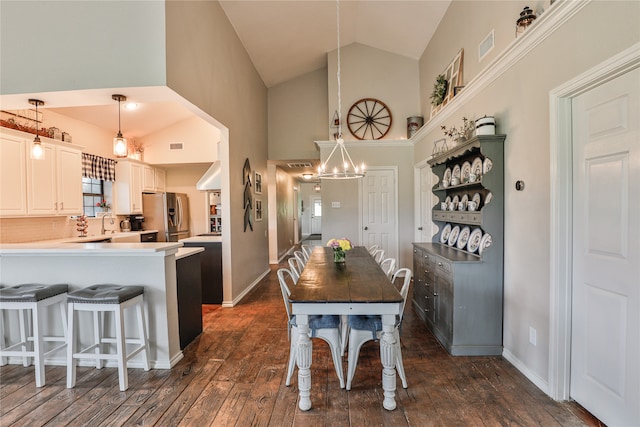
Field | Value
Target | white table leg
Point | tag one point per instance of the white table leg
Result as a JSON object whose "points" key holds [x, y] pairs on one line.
{"points": [[388, 358], [303, 360]]}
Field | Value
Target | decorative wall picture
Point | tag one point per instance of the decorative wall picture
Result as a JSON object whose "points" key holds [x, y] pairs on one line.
{"points": [[453, 78], [247, 200], [258, 210], [258, 186]]}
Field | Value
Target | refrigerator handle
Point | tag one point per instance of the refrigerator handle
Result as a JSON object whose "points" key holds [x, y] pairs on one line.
{"points": [[179, 222]]}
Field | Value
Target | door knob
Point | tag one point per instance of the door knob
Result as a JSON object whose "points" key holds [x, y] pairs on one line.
{"points": [[366, 228], [420, 228]]}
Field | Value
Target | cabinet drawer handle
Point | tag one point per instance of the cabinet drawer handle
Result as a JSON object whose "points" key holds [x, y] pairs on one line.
{"points": [[439, 264], [415, 251], [435, 294]]}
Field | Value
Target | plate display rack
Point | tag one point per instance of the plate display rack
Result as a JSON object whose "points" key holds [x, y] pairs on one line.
{"points": [[458, 289]]}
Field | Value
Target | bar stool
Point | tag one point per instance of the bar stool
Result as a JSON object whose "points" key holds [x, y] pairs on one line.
{"points": [[34, 298], [102, 299]]}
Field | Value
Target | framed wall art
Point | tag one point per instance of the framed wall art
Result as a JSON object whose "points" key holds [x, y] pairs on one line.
{"points": [[258, 210], [258, 183]]}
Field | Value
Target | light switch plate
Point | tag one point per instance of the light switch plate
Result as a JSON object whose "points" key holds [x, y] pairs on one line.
{"points": [[335, 204]]}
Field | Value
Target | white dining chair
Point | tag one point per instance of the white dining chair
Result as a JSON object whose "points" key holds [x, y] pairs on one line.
{"points": [[373, 248], [378, 255], [293, 267], [306, 250], [325, 327], [388, 265], [367, 328], [301, 259]]}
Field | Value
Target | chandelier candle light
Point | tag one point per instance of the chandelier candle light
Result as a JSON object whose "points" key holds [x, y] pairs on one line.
{"points": [[342, 167]]}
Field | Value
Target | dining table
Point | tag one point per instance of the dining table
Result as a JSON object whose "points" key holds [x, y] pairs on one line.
{"points": [[357, 286]]}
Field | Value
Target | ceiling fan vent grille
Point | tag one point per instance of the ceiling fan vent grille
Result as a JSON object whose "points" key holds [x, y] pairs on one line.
{"points": [[299, 165]]}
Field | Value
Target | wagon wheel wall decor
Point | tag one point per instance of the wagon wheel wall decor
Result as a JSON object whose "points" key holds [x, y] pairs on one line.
{"points": [[369, 118]]}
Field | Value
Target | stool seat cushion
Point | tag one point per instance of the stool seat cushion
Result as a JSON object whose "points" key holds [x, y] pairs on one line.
{"points": [[105, 294], [31, 292]]}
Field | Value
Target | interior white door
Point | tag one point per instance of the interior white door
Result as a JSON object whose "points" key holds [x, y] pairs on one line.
{"points": [[379, 207], [426, 227], [605, 346], [316, 214]]}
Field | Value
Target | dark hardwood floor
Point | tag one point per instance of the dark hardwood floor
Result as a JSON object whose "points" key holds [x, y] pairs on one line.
{"points": [[234, 373]]}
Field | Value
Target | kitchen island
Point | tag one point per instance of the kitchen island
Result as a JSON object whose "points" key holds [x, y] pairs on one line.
{"points": [[211, 266], [152, 265]]}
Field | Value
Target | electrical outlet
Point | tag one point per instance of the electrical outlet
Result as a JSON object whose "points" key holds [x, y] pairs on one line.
{"points": [[532, 335]]}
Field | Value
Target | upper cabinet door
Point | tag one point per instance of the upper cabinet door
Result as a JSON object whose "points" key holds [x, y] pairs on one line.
{"points": [[69, 181], [41, 182], [13, 176], [148, 178]]}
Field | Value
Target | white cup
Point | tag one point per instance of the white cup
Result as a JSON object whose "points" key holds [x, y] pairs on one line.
{"points": [[443, 206], [472, 205], [462, 206], [455, 180], [473, 177], [453, 206]]}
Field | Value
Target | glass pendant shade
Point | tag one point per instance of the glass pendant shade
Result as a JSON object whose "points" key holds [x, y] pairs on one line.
{"points": [[120, 148], [37, 152]]}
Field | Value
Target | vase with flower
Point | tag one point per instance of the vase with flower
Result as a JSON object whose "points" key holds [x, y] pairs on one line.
{"points": [[340, 246], [103, 205]]}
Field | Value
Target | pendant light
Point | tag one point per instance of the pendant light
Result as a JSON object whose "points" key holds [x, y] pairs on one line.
{"points": [[119, 142], [37, 152], [341, 167]]}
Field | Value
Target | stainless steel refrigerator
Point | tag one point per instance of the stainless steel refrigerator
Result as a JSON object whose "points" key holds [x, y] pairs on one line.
{"points": [[168, 213]]}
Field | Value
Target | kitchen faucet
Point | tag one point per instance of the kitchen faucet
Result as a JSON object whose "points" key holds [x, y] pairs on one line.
{"points": [[110, 215]]}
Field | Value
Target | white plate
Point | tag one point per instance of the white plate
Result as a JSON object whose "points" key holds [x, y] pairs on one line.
{"points": [[474, 240], [465, 171], [446, 178], [453, 236], [477, 198], [456, 171], [463, 238], [445, 233], [447, 200], [485, 242], [464, 199], [456, 199], [487, 199], [487, 165], [476, 166]]}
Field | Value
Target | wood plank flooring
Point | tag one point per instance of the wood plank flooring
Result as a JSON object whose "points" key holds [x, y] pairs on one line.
{"points": [[234, 375]]}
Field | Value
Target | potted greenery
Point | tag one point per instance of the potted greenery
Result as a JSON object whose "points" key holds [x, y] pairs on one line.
{"points": [[439, 90]]}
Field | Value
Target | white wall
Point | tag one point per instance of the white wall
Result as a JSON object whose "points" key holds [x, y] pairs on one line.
{"points": [[199, 140]]}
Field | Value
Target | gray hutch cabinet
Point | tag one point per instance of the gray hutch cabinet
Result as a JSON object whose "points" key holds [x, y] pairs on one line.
{"points": [[458, 276]]}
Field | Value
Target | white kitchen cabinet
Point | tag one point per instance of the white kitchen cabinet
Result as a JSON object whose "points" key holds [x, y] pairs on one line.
{"points": [[129, 176], [153, 179], [13, 175], [54, 184], [160, 179], [148, 178]]}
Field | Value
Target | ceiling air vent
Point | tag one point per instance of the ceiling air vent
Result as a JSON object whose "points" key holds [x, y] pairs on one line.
{"points": [[299, 165], [176, 146]]}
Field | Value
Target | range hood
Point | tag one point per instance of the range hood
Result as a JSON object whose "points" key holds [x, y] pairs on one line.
{"points": [[212, 178]]}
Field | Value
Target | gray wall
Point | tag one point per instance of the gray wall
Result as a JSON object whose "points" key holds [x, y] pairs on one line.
{"points": [[519, 99]]}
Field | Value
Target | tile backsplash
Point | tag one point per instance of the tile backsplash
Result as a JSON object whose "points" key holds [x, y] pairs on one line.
{"points": [[21, 230]]}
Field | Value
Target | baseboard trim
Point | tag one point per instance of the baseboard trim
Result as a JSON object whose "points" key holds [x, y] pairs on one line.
{"points": [[524, 370]]}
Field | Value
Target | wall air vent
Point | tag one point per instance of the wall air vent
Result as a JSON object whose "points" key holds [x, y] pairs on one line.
{"points": [[176, 146], [299, 165]]}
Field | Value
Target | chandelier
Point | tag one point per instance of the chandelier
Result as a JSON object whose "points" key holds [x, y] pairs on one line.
{"points": [[342, 166]]}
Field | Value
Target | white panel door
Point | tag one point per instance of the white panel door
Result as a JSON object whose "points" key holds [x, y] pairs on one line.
{"points": [[379, 207], [605, 347], [316, 214]]}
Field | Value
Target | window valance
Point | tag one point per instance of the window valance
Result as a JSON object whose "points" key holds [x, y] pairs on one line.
{"points": [[97, 167]]}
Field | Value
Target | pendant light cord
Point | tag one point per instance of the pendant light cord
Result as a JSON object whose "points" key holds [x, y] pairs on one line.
{"points": [[338, 74]]}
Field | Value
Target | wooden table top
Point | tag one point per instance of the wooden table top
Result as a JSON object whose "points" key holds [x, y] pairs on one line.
{"points": [[359, 280]]}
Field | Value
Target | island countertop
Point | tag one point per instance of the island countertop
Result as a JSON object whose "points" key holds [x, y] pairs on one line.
{"points": [[202, 239], [89, 249]]}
